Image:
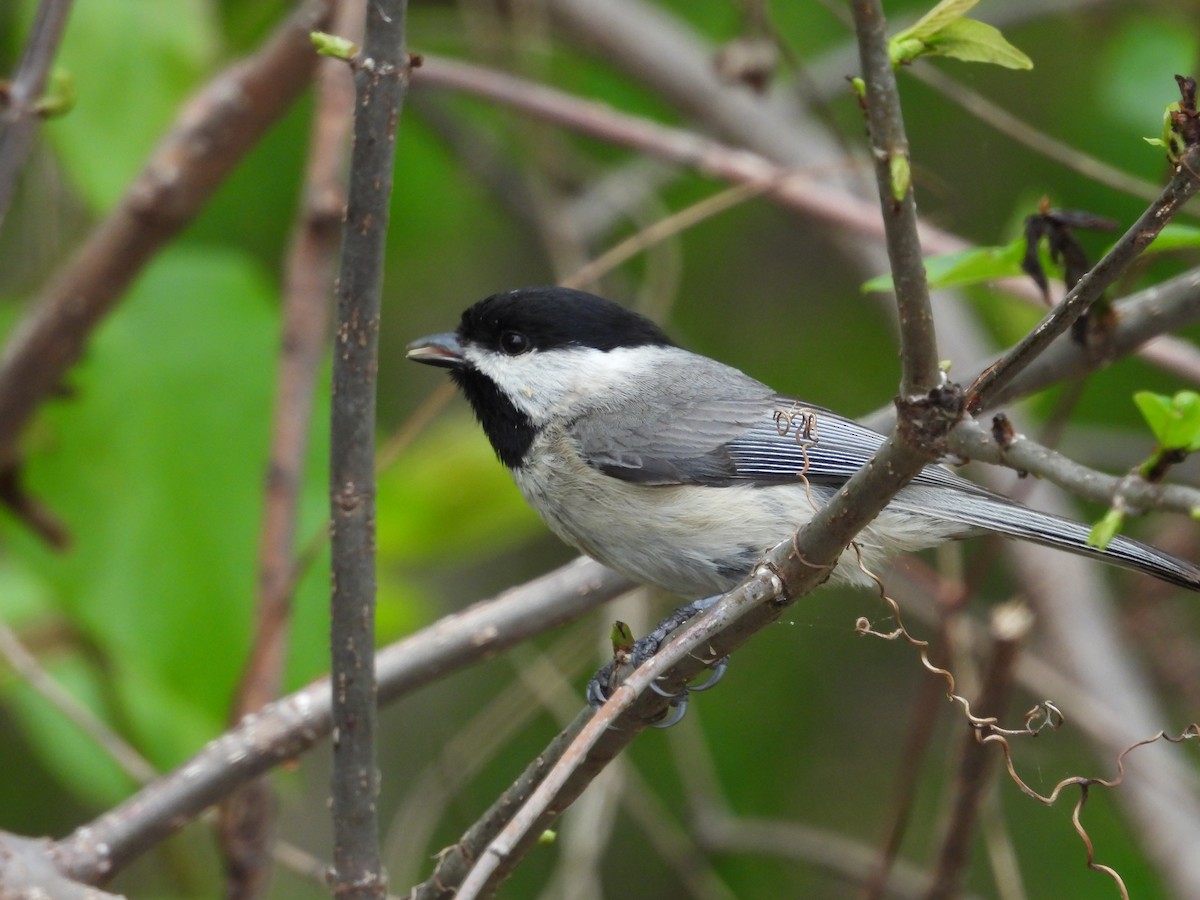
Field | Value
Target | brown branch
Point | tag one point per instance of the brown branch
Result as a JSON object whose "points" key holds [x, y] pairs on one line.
{"points": [[889, 149], [246, 820], [215, 129], [288, 727], [1183, 184], [19, 114], [381, 72]]}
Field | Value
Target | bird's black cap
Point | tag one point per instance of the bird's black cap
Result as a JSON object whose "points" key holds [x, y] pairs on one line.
{"points": [[552, 317]]}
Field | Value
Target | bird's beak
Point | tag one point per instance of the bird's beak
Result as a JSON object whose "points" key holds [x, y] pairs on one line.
{"points": [[443, 350]]}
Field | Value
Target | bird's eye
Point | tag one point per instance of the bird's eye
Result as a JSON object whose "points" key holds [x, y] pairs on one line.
{"points": [[514, 343]]}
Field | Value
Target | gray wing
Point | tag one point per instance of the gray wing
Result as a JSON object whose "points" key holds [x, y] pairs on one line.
{"points": [[721, 427], [681, 434]]}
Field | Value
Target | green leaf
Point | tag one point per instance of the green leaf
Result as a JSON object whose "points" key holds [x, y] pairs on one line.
{"points": [[59, 97], [1174, 421], [155, 462], [970, 40], [943, 31], [332, 45], [900, 175], [978, 265], [943, 14], [1106, 529], [621, 637]]}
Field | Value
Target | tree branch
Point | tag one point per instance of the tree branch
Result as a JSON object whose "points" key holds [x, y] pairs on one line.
{"points": [[290, 726], [893, 176], [18, 108], [1140, 317], [380, 79], [1183, 184], [971, 440], [215, 129]]}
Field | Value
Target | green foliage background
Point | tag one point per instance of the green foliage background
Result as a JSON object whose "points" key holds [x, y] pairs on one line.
{"points": [[154, 456]]}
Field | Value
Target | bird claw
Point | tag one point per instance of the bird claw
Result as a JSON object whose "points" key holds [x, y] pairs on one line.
{"points": [[605, 681]]}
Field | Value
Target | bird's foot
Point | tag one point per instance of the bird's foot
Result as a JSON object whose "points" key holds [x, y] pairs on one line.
{"points": [[609, 677]]}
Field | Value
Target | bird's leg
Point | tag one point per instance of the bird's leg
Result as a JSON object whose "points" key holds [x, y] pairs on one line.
{"points": [[606, 680]]}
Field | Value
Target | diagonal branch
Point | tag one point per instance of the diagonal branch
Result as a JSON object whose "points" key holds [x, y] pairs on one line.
{"points": [[215, 130], [288, 727], [1183, 184], [889, 149]]}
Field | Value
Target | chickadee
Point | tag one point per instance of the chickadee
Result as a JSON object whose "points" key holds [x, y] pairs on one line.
{"points": [[679, 471]]}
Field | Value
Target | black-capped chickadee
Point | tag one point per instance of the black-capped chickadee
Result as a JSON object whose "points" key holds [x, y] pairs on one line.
{"points": [[680, 472]]}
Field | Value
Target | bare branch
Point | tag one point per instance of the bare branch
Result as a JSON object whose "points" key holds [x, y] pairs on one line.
{"points": [[18, 108], [214, 131], [1140, 317], [288, 727], [893, 176], [380, 80], [27, 666], [1026, 455], [1183, 184]]}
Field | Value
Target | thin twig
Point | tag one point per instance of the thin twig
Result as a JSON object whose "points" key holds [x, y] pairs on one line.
{"points": [[1183, 184], [380, 80], [213, 132], [592, 738], [661, 230], [1026, 455], [1140, 317], [889, 148], [26, 665], [288, 727], [1019, 130], [18, 110]]}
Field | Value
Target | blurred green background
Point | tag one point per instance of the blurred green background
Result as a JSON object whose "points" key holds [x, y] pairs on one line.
{"points": [[154, 458]]}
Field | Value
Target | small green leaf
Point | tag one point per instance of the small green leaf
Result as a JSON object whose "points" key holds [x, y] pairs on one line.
{"points": [[332, 45], [547, 838], [59, 98], [860, 88], [622, 638], [970, 40], [943, 14], [901, 176], [978, 265], [1106, 529], [943, 31], [1174, 421], [1170, 139]]}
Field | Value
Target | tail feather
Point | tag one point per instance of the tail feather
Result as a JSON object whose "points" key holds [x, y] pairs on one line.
{"points": [[991, 512]]}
